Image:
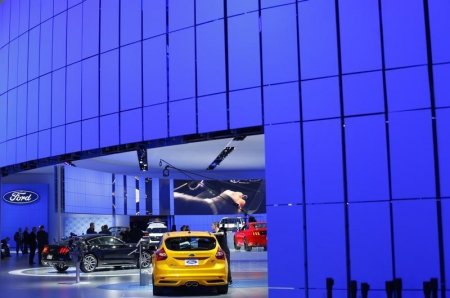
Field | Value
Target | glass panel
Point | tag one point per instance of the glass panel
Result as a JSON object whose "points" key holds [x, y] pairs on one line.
{"points": [[155, 71]]}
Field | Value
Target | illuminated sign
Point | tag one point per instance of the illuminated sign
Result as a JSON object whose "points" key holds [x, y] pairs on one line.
{"points": [[20, 197]]}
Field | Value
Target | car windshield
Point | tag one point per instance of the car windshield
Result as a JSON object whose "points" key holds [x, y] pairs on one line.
{"points": [[190, 243], [157, 230]]}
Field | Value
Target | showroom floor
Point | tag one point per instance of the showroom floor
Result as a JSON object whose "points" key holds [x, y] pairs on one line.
{"points": [[249, 271]]}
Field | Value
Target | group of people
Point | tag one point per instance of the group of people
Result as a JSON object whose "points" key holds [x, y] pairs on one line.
{"points": [[28, 242], [132, 235]]}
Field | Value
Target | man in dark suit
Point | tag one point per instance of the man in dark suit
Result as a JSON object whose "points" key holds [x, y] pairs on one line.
{"points": [[42, 240], [33, 245]]}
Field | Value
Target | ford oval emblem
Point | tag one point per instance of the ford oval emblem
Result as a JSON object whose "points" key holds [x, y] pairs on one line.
{"points": [[20, 197]]}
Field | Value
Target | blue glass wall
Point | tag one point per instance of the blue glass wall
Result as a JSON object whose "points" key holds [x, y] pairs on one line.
{"points": [[355, 110]]}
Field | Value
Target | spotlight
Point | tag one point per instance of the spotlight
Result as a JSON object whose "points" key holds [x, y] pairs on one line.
{"points": [[222, 155], [142, 158], [166, 171]]}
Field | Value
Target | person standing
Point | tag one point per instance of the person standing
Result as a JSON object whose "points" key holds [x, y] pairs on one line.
{"points": [[91, 229], [18, 238], [221, 236], [42, 240], [32, 242], [26, 240]]}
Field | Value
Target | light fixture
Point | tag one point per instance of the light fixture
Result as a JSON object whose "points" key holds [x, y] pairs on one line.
{"points": [[142, 158], [222, 155]]}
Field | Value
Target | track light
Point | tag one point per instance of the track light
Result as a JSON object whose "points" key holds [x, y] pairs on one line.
{"points": [[222, 155], [166, 171], [142, 158]]}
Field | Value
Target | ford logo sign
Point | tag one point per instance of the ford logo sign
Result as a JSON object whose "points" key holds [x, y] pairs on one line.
{"points": [[20, 197]]}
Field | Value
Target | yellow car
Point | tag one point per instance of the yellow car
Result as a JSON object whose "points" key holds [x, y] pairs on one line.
{"points": [[189, 259]]}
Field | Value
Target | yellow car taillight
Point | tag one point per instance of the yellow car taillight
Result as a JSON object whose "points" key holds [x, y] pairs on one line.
{"points": [[160, 254], [220, 254]]}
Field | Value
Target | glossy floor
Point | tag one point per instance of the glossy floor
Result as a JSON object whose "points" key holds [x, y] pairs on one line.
{"points": [[249, 271]]}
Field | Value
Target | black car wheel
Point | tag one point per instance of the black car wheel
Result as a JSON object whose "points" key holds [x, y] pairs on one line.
{"points": [[236, 247], [145, 260], [157, 291], [222, 289], [88, 263], [61, 267], [247, 248]]}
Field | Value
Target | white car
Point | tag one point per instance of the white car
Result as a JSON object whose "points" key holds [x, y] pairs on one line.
{"points": [[155, 231], [232, 223]]}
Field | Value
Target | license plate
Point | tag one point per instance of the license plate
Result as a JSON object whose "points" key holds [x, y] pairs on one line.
{"points": [[191, 262], [49, 257]]}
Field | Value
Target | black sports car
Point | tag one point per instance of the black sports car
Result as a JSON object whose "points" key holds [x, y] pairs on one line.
{"points": [[95, 250]]}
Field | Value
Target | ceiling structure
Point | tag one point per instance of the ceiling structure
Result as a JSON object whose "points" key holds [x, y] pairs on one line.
{"points": [[186, 161]]}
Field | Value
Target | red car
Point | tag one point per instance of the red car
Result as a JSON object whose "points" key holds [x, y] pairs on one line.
{"points": [[253, 234]]}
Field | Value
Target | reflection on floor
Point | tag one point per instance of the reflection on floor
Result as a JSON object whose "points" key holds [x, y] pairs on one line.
{"points": [[249, 271]]}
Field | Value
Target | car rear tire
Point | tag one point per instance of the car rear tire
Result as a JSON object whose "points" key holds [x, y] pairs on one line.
{"points": [[246, 247], [236, 247], [61, 267], [222, 289], [88, 263], [157, 291]]}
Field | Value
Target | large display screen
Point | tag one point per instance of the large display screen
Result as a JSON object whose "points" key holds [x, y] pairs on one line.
{"points": [[216, 196]]}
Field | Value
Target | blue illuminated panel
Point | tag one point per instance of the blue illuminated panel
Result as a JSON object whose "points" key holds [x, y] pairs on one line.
{"points": [[3, 117], [208, 10], [3, 69], [130, 21], [109, 30], [45, 102], [155, 122], [35, 13], [286, 112], [320, 98], [44, 143], [245, 108], [12, 115], [367, 178], [155, 71], [210, 58], [21, 154], [441, 85], [278, 217], [109, 130], [14, 19], [446, 216], [212, 113], [288, 161], [59, 5], [109, 82], [32, 146], [408, 88], [416, 251], [363, 93], [182, 117], [280, 57], [326, 245], [360, 36], [131, 126], [443, 128], [22, 110], [22, 59], [4, 28], [154, 17], [59, 97], [404, 35], [46, 9], [91, 14], [74, 30], [71, 3], [33, 106], [440, 30], [73, 93], [411, 150], [33, 56], [271, 3], [24, 12], [73, 137], [12, 66], [90, 87], [130, 77], [239, 7], [181, 14], [89, 134], [182, 64], [323, 161], [3, 161], [243, 51], [58, 140], [370, 242], [318, 45], [59, 40]]}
